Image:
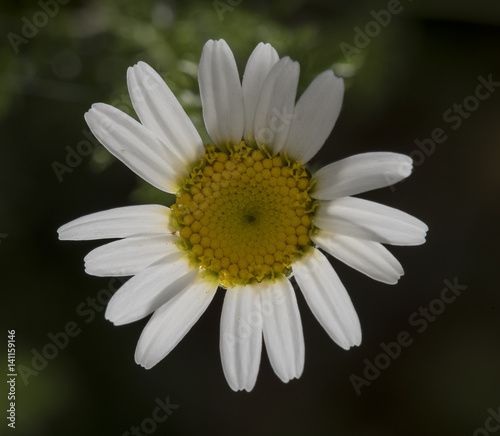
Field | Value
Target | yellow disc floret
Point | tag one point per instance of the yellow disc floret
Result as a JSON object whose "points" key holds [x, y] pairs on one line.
{"points": [[244, 214]]}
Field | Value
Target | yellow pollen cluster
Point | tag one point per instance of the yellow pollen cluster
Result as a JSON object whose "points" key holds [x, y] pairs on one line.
{"points": [[245, 215]]}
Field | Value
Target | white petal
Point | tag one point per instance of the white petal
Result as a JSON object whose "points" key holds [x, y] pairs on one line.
{"points": [[137, 147], [150, 289], [282, 329], [360, 173], [129, 256], [221, 95], [368, 257], [174, 319], [241, 336], [314, 116], [274, 113], [365, 219], [160, 111], [328, 299], [258, 66], [121, 222]]}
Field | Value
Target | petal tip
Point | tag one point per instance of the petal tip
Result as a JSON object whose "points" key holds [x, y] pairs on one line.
{"points": [[60, 232], [142, 361], [111, 315], [405, 167]]}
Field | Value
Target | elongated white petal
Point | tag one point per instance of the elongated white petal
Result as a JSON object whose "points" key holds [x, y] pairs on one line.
{"points": [[160, 111], [129, 256], [365, 219], [360, 173], [221, 95], [328, 299], [121, 222], [136, 146], [274, 113], [314, 116], [150, 289], [368, 257], [241, 336], [174, 319], [282, 329], [258, 66]]}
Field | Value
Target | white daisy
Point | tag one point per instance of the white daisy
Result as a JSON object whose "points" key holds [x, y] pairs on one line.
{"points": [[248, 213]]}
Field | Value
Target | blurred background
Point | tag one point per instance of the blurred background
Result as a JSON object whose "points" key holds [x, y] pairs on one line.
{"points": [[422, 78]]}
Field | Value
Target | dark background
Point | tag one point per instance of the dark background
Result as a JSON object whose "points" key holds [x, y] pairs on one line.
{"points": [[398, 91]]}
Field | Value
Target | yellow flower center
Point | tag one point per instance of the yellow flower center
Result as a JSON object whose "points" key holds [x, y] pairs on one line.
{"points": [[244, 214]]}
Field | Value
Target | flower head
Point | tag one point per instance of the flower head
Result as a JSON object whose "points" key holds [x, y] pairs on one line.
{"points": [[248, 215]]}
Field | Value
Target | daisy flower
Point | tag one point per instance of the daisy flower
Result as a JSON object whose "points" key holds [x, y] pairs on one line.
{"points": [[248, 214]]}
